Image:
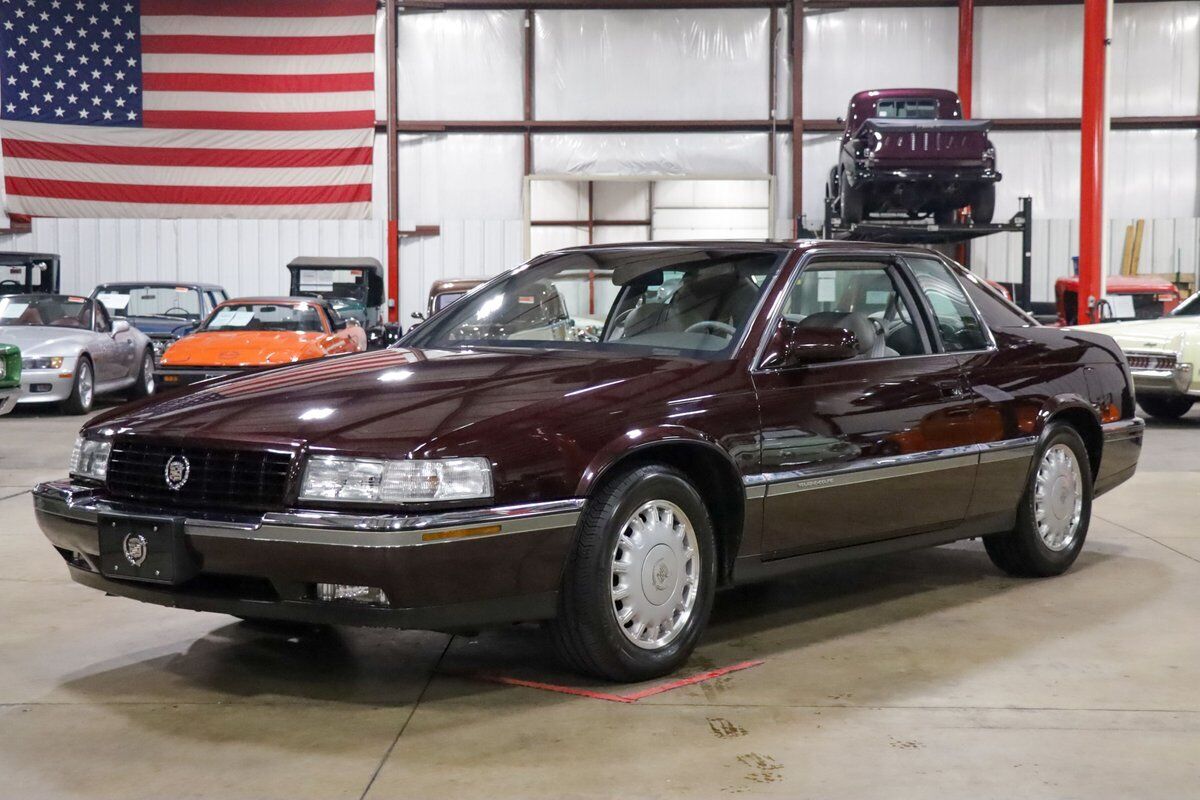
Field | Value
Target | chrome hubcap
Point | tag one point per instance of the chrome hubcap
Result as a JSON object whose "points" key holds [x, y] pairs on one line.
{"points": [[148, 373], [655, 575], [85, 384], [1058, 497]]}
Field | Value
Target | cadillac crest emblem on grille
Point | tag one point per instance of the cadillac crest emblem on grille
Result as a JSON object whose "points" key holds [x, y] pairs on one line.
{"points": [[176, 472]]}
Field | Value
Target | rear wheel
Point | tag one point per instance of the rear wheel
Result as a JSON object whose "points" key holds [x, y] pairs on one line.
{"points": [[638, 587], [83, 390], [1165, 407], [983, 204], [143, 386], [1052, 520], [852, 201]]}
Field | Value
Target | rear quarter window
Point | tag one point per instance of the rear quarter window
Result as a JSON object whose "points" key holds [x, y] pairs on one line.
{"points": [[997, 312]]}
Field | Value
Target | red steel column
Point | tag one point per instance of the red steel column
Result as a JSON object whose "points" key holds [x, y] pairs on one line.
{"points": [[797, 114], [966, 78], [966, 53], [392, 54], [1092, 130]]}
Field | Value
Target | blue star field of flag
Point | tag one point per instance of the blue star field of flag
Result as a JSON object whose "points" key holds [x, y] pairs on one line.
{"points": [[76, 62]]}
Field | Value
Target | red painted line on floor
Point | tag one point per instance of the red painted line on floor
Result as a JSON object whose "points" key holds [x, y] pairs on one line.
{"points": [[611, 697]]}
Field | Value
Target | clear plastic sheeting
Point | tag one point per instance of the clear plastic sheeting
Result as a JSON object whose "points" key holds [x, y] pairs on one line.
{"points": [[460, 176], [653, 64], [461, 65], [1029, 60], [694, 154], [878, 48], [1151, 173]]}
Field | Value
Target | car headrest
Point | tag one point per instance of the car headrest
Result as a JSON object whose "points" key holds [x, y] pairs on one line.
{"points": [[853, 321]]}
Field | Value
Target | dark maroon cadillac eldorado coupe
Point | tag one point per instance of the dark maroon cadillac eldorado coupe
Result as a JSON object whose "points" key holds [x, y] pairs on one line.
{"points": [[745, 411]]}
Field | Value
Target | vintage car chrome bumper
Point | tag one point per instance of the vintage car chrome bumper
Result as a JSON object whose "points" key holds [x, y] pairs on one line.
{"points": [[881, 173], [447, 570], [1161, 375], [8, 399]]}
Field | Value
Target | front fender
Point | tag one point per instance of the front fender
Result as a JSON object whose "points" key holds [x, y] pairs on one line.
{"points": [[638, 440]]}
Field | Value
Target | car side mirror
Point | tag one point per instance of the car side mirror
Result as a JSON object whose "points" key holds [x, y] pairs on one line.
{"points": [[119, 326], [417, 315], [793, 345]]}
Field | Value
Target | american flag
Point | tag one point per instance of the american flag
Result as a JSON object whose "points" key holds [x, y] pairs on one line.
{"points": [[187, 108]]}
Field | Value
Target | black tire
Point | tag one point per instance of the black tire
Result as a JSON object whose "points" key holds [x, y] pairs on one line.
{"points": [[1165, 406], [983, 204], [852, 201], [587, 634], [1022, 552], [144, 385], [80, 401]]}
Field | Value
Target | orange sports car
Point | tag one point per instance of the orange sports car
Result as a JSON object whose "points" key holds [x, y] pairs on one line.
{"points": [[245, 333]]}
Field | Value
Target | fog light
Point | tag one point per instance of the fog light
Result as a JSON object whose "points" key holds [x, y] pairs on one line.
{"points": [[329, 592]]}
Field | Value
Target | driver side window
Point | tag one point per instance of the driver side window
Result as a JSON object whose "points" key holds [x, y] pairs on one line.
{"points": [[863, 298]]}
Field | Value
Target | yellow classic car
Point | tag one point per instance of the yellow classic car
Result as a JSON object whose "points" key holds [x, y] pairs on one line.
{"points": [[1163, 354]]}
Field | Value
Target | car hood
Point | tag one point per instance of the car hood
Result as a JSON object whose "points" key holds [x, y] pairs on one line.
{"points": [[1165, 333], [242, 349], [45, 340], [391, 402]]}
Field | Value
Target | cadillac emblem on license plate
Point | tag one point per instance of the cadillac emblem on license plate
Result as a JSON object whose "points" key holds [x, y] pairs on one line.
{"points": [[151, 549]]}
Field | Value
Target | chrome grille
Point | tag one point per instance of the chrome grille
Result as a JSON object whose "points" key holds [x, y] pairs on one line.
{"points": [[245, 480], [1151, 361]]}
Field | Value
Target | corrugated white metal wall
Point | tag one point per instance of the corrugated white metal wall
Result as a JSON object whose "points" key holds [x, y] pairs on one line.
{"points": [[711, 64]]}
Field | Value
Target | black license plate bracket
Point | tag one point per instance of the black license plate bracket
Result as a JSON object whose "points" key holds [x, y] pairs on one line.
{"points": [[151, 549]]}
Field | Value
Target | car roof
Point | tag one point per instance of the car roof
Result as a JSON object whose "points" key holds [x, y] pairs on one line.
{"points": [[14, 258], [875, 94], [329, 262], [748, 246], [207, 287]]}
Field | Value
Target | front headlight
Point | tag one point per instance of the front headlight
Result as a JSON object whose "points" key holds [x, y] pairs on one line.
{"points": [[3, 368], [89, 459], [372, 480], [50, 362]]}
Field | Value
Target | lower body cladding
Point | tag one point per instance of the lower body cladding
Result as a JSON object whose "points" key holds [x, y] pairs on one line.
{"points": [[449, 571]]}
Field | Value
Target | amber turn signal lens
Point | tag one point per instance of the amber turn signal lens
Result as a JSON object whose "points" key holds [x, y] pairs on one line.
{"points": [[460, 534], [170, 379]]}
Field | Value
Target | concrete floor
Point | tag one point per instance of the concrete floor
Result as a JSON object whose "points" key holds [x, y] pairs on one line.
{"points": [[922, 675]]}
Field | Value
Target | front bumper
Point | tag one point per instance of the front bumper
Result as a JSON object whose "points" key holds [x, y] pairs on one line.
{"points": [[176, 377], [46, 385], [443, 571], [1119, 456], [8, 399], [1173, 380]]}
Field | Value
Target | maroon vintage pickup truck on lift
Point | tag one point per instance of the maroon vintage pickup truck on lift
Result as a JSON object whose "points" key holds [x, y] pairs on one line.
{"points": [[910, 151]]}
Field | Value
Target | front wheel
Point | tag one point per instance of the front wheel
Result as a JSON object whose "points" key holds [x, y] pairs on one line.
{"points": [[143, 385], [853, 201], [1052, 520], [83, 390], [1165, 406], [638, 587]]}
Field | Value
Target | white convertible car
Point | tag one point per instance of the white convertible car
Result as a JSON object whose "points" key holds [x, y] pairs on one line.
{"points": [[1163, 355], [71, 350]]}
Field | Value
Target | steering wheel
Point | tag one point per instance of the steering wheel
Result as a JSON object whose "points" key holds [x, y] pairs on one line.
{"points": [[10, 282], [177, 311], [713, 325]]}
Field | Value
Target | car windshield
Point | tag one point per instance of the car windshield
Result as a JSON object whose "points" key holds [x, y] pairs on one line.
{"points": [[678, 301], [300, 317], [350, 284], [175, 302], [1188, 308], [59, 311]]}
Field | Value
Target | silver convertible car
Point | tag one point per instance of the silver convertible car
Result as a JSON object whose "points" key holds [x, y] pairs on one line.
{"points": [[72, 350]]}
